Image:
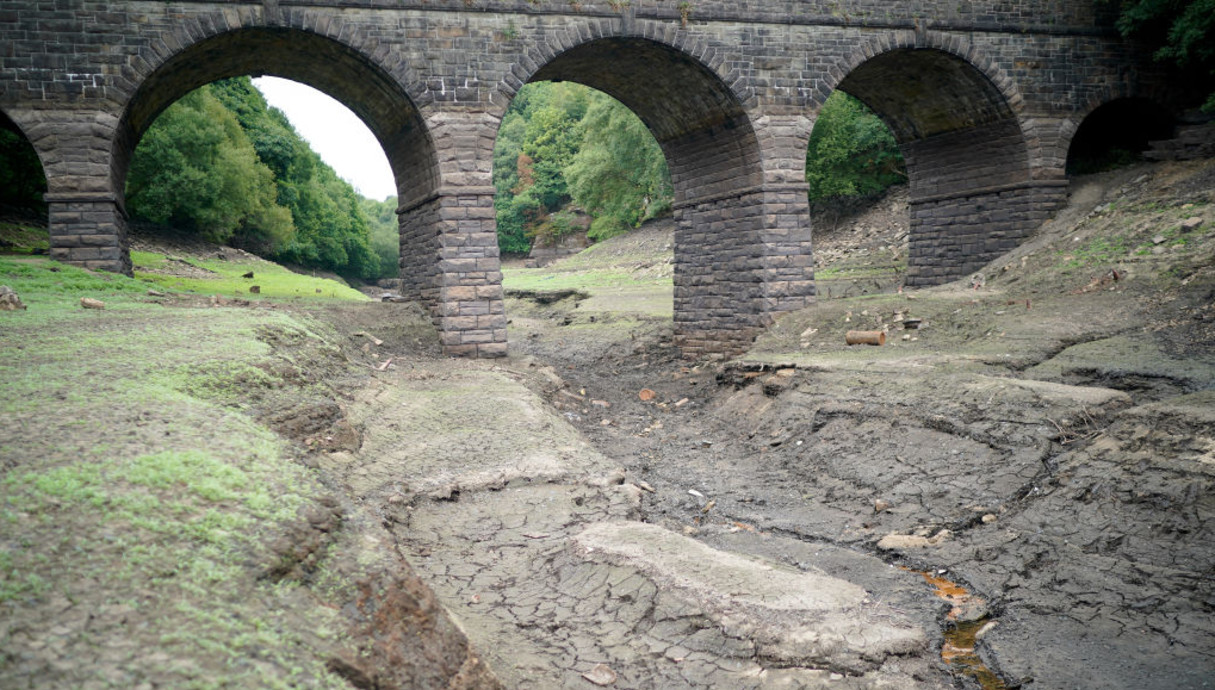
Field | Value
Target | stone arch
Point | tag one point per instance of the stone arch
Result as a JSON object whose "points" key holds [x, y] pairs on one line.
{"points": [[688, 92], [366, 82], [970, 155], [903, 41], [726, 283], [1123, 122], [36, 187], [339, 68]]}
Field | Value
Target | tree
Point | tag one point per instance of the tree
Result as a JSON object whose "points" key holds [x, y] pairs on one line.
{"points": [[196, 168], [556, 132], [551, 139], [1182, 32], [222, 162], [22, 182], [619, 174], [385, 234], [332, 230], [851, 152]]}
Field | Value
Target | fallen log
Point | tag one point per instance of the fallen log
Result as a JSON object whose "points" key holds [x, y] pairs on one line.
{"points": [[865, 337]]}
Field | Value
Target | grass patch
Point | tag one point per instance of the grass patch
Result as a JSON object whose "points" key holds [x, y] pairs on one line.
{"points": [[227, 278], [539, 279], [17, 238], [127, 479]]}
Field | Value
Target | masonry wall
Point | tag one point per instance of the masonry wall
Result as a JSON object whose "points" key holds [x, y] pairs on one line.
{"points": [[419, 229], [88, 231]]}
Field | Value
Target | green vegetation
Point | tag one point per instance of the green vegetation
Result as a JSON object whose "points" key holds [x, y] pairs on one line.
{"points": [[561, 144], [1182, 32], [23, 238], [196, 169], [223, 163], [141, 496], [22, 182], [385, 234], [852, 152], [619, 175], [227, 278]]}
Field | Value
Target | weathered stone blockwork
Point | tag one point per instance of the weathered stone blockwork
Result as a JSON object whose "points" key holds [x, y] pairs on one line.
{"points": [[730, 89], [89, 231], [953, 236]]}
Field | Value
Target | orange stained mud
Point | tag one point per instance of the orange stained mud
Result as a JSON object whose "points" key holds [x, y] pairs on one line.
{"points": [[959, 648]]}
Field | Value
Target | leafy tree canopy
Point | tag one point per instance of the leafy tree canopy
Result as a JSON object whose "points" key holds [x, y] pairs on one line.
{"points": [[561, 144], [222, 162], [195, 168], [851, 152], [619, 174], [1182, 32]]}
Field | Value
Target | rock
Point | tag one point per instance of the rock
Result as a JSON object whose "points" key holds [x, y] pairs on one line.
{"points": [[1158, 239], [989, 518], [90, 303], [881, 506], [9, 301], [778, 383], [600, 675], [895, 542], [255, 289], [791, 617], [1191, 223], [248, 275], [646, 394]]}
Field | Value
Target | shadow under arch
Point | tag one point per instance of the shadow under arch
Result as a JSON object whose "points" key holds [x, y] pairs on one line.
{"points": [[328, 65], [1115, 132], [713, 153], [22, 174], [968, 158]]}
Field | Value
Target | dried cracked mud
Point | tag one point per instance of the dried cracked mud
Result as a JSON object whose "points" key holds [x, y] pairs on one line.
{"points": [[1045, 443]]}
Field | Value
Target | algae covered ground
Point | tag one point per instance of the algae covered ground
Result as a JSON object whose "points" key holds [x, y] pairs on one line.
{"points": [[159, 527]]}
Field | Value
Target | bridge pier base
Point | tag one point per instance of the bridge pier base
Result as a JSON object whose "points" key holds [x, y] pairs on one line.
{"points": [[463, 289], [89, 230], [954, 235], [740, 259]]}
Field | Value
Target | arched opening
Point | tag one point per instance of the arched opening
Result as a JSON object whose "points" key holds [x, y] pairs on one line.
{"points": [[1117, 133], [22, 180], [22, 186], [222, 165], [333, 68], [857, 183], [713, 156], [967, 159]]}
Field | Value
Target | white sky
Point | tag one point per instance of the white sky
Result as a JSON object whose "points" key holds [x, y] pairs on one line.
{"points": [[336, 134]]}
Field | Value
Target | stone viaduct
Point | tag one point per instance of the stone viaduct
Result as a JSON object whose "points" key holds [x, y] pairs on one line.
{"points": [[984, 97]]}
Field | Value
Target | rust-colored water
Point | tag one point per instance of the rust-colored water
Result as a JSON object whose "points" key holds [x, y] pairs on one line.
{"points": [[959, 648]]}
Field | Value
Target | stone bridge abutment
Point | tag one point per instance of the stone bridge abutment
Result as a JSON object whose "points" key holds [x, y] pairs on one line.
{"points": [[983, 98]]}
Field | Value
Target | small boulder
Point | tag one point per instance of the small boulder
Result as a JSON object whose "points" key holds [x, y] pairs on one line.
{"points": [[90, 303], [9, 301]]}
